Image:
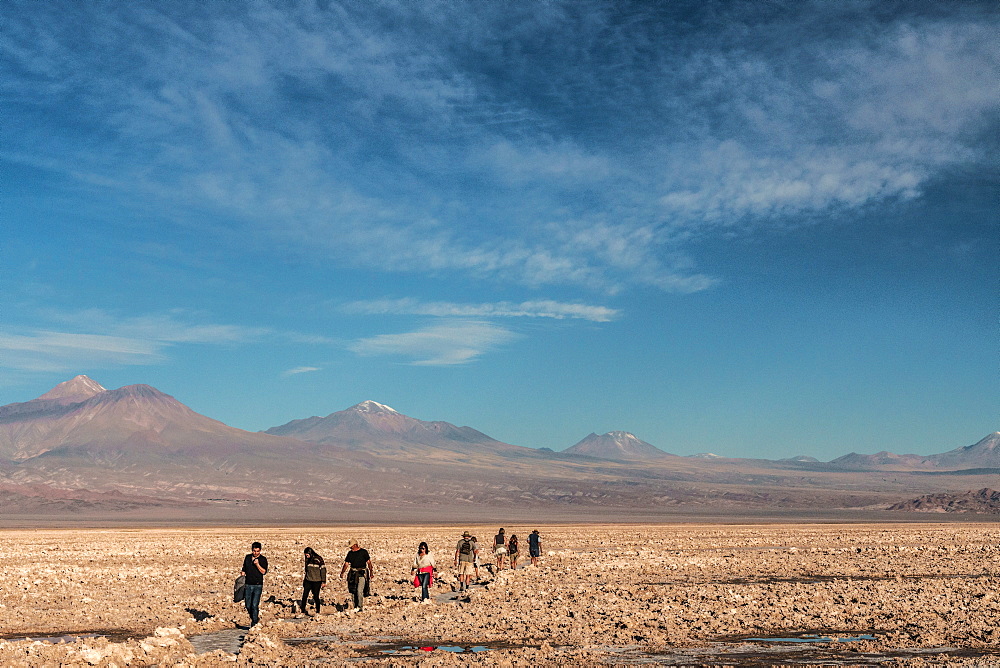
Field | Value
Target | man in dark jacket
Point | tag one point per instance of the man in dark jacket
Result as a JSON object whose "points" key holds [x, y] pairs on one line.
{"points": [[314, 578], [254, 568]]}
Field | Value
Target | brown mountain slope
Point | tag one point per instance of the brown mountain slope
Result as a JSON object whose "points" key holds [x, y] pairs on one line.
{"points": [[135, 418], [616, 445], [983, 454], [145, 445], [376, 428], [985, 501]]}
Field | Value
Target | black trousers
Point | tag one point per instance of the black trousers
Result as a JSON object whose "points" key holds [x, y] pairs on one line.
{"points": [[310, 587]]}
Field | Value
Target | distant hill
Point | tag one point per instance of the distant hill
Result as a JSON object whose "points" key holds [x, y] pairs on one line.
{"points": [[81, 448], [54, 401], [982, 454], [82, 417], [615, 445], [373, 427], [879, 461], [985, 500], [73, 391], [47, 499]]}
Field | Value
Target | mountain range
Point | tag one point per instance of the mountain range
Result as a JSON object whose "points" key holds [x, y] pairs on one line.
{"points": [[81, 416], [82, 448]]}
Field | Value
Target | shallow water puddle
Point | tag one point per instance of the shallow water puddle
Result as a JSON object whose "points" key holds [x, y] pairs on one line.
{"points": [[389, 646], [807, 648], [228, 640], [56, 637], [414, 650], [814, 638], [56, 640]]}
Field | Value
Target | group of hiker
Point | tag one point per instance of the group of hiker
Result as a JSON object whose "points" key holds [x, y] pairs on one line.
{"points": [[357, 570], [467, 554]]}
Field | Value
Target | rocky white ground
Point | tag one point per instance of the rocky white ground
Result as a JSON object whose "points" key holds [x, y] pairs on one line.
{"points": [[688, 594]]}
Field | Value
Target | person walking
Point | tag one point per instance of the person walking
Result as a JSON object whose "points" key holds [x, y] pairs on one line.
{"points": [[466, 552], [534, 546], [512, 550], [254, 568], [358, 570], [475, 560], [500, 548], [423, 570], [313, 580]]}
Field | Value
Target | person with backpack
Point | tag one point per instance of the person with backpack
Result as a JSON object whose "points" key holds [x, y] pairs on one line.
{"points": [[423, 571], [500, 548], [254, 568], [475, 562], [512, 549], [534, 546], [313, 580], [466, 552]]}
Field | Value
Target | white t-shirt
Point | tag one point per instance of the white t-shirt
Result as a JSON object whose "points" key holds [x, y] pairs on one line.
{"points": [[423, 561]]}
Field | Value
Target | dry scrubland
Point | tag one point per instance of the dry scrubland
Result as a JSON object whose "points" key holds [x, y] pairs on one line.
{"points": [[604, 594]]}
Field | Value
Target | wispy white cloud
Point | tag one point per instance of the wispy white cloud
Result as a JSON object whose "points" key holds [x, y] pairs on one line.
{"points": [[386, 140], [444, 344], [834, 124], [62, 351], [95, 337], [176, 326], [529, 309], [735, 184], [300, 369], [523, 164]]}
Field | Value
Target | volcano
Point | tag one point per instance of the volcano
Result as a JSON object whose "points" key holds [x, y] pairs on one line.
{"points": [[81, 416], [616, 445]]}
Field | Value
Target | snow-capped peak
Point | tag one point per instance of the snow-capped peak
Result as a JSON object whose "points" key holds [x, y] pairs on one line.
{"points": [[77, 389], [373, 407]]}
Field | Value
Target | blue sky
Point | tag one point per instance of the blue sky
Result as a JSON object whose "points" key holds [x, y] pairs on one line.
{"points": [[756, 229]]}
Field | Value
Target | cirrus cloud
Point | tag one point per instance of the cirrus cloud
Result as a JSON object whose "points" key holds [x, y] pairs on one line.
{"points": [[444, 344], [530, 309]]}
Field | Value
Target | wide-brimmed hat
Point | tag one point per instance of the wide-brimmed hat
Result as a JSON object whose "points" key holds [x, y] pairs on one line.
{"points": [[466, 535], [535, 531], [354, 542]]}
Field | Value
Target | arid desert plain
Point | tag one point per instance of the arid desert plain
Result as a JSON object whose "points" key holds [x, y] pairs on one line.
{"points": [[685, 594]]}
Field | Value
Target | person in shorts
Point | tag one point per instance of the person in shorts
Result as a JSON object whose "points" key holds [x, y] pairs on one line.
{"points": [[500, 548], [534, 546], [466, 552], [512, 550], [475, 562]]}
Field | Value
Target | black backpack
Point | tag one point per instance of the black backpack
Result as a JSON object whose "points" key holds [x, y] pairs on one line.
{"points": [[466, 547]]}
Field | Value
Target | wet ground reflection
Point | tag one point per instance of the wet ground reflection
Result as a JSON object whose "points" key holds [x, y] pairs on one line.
{"points": [[57, 637]]}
